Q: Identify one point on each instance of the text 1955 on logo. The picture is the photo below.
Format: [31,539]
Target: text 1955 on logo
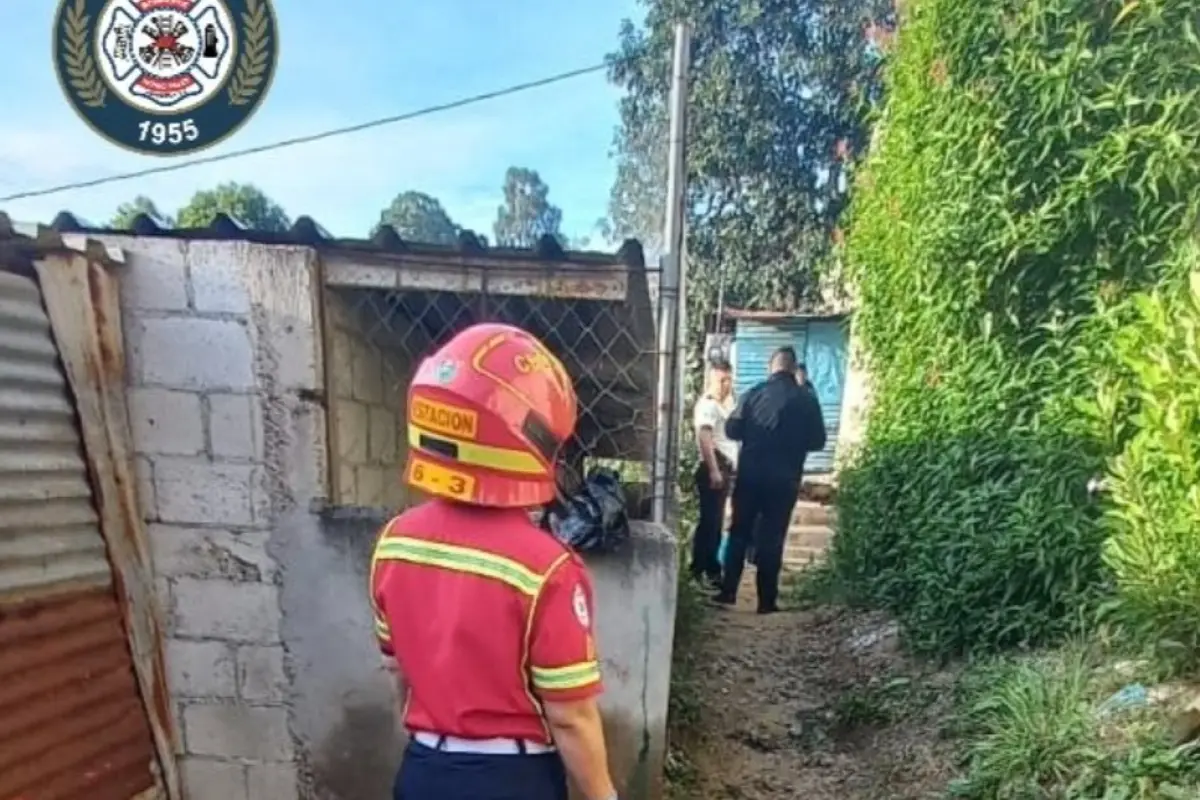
[165,77]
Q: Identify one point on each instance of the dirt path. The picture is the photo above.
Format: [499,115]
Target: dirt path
[814,705]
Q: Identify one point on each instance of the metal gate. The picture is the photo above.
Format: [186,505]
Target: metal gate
[72,723]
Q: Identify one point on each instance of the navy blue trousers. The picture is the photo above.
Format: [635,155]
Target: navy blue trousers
[428,774]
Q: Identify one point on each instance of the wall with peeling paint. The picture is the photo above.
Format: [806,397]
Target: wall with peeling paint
[272,666]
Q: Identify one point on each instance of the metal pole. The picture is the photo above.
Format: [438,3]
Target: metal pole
[671,289]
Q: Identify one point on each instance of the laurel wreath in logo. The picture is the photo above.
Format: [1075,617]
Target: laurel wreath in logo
[252,63]
[81,70]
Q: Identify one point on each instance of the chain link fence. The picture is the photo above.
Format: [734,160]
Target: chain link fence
[598,318]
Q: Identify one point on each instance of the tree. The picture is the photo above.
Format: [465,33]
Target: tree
[417,217]
[527,214]
[243,201]
[777,110]
[127,212]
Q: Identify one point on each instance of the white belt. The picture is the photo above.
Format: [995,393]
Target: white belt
[484,747]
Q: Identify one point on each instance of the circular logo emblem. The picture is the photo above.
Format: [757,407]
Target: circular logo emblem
[446,371]
[579,602]
[165,77]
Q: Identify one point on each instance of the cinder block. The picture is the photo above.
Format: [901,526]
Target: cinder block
[366,371]
[166,422]
[154,277]
[261,677]
[347,488]
[381,442]
[204,493]
[201,669]
[145,488]
[293,344]
[372,486]
[353,431]
[212,553]
[186,353]
[273,782]
[217,271]
[235,731]
[207,779]
[237,612]
[340,356]
[231,426]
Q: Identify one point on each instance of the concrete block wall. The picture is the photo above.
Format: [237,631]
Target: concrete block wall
[218,353]
[273,670]
[368,379]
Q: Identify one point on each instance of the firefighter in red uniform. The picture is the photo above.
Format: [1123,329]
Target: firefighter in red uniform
[485,619]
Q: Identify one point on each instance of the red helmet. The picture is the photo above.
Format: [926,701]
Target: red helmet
[487,414]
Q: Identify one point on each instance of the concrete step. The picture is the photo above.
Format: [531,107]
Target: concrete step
[810,513]
[806,545]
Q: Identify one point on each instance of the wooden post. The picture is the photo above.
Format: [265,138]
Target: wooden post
[81,301]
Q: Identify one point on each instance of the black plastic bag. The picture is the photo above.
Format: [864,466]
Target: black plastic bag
[593,519]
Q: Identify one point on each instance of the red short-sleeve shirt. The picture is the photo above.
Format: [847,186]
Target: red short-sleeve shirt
[487,616]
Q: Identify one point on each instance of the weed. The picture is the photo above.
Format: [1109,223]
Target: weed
[1038,733]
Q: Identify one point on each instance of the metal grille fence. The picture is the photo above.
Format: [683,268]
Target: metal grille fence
[598,319]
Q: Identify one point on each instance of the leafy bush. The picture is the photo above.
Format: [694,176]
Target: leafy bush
[1035,158]
[1039,733]
[1153,396]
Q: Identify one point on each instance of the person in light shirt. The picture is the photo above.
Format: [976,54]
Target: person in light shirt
[714,473]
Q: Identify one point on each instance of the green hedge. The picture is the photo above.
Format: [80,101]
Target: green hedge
[1151,403]
[1037,159]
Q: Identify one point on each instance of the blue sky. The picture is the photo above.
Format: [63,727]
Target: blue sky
[369,59]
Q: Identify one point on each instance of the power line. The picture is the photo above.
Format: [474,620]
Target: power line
[312,137]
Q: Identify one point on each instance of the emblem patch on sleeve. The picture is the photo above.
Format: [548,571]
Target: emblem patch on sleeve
[579,602]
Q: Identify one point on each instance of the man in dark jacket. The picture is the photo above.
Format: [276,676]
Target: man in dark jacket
[778,423]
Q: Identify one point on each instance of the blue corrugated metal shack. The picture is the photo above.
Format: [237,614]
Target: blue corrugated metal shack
[821,342]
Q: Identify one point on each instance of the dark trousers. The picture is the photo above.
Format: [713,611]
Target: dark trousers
[706,540]
[762,513]
[428,774]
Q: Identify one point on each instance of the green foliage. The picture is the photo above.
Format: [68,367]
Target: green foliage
[1154,483]
[1040,733]
[417,217]
[527,213]
[777,104]
[1035,158]
[127,212]
[246,203]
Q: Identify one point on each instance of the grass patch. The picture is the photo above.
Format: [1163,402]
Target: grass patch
[686,699]
[882,702]
[1038,728]
[813,587]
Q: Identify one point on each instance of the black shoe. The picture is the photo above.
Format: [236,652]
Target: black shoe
[769,609]
[722,599]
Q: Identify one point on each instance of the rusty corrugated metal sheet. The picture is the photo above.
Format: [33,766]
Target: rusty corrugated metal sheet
[49,535]
[73,724]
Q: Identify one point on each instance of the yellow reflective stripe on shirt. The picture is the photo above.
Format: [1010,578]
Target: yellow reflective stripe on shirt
[461,559]
[381,629]
[572,676]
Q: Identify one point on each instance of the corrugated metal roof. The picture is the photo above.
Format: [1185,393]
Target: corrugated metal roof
[73,724]
[307,232]
[49,533]
[816,313]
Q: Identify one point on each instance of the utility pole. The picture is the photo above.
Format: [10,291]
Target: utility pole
[672,292]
